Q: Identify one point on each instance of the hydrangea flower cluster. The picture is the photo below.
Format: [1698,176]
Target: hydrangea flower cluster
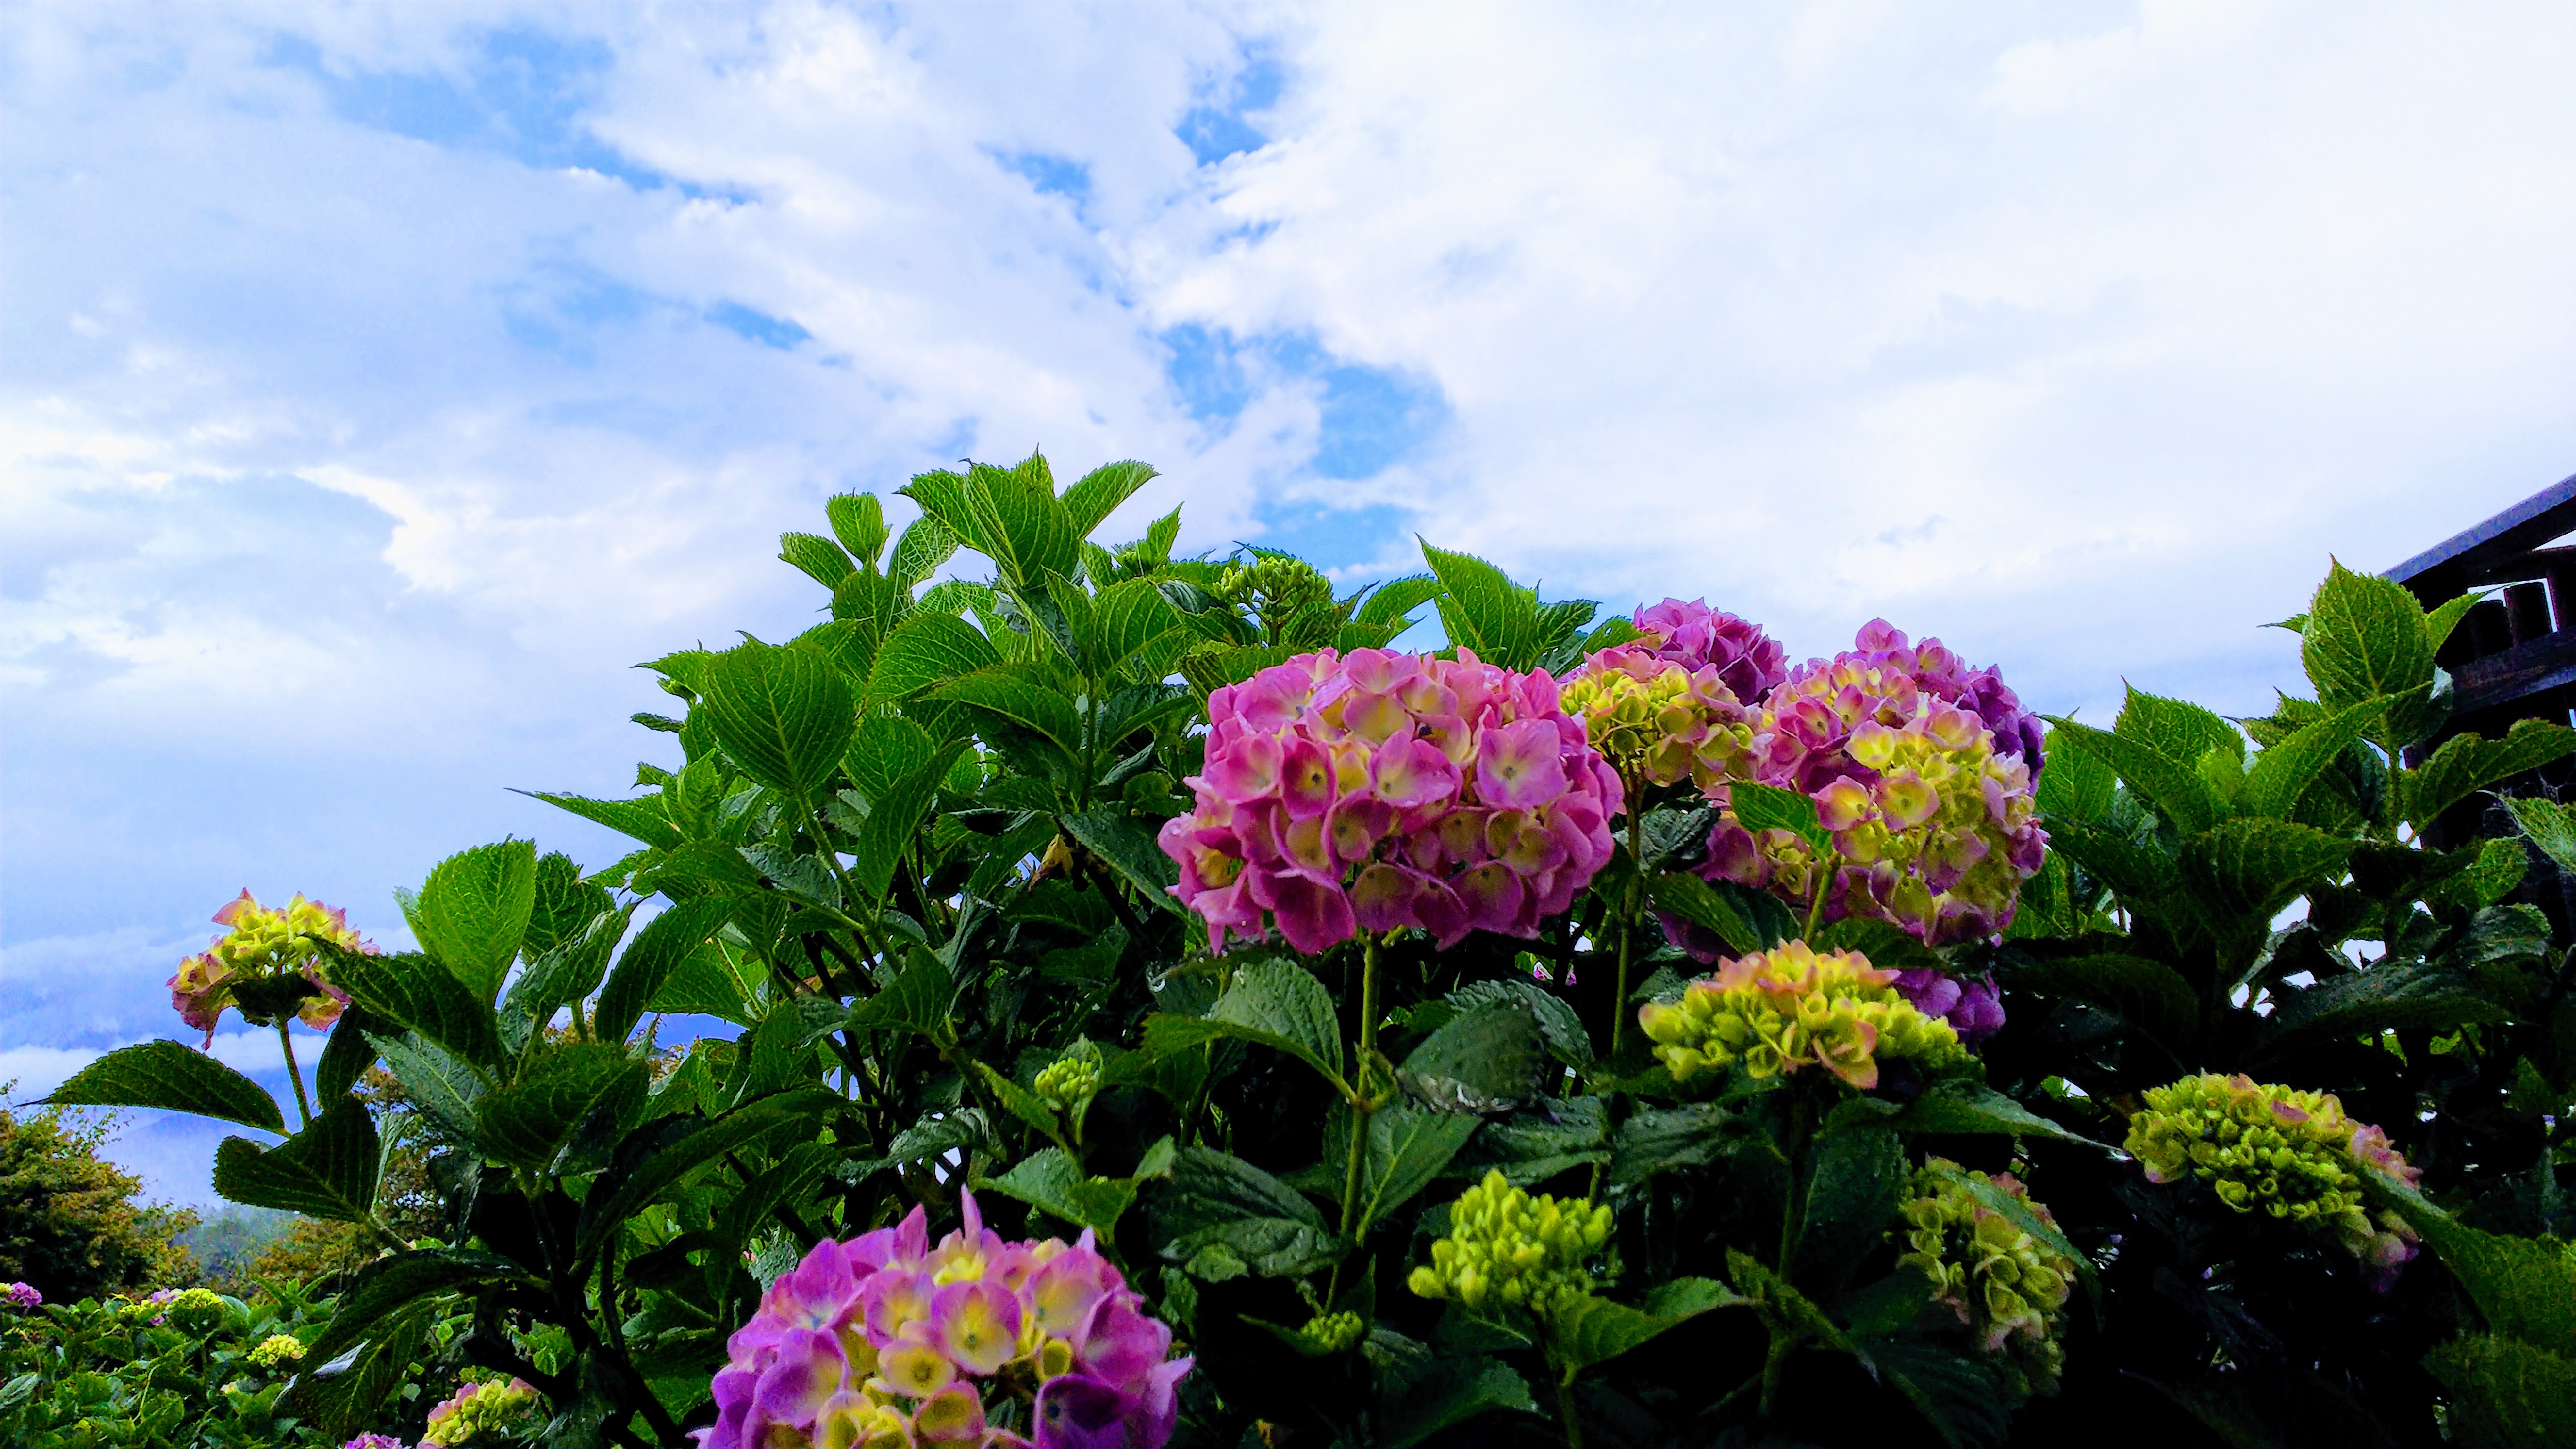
[2007,1287]
[1508,1249]
[1931,809]
[1660,722]
[1064,1083]
[24,1295]
[249,965]
[484,1410]
[1332,1332]
[1794,1007]
[1372,791]
[2292,1154]
[1749,663]
[1971,1007]
[373,1441]
[277,1349]
[885,1340]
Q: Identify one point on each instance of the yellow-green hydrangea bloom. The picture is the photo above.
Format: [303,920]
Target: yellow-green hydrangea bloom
[1795,1007]
[1507,1249]
[1067,1082]
[1659,722]
[277,1349]
[2292,1154]
[1332,1332]
[2008,1288]
[482,1411]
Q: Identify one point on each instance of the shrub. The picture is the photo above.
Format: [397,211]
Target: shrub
[69,1222]
[1596,1031]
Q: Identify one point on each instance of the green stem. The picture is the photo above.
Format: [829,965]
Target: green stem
[1830,867]
[1565,1415]
[303,1104]
[1629,904]
[1362,1108]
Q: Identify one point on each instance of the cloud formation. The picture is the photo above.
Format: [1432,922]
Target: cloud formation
[381,382]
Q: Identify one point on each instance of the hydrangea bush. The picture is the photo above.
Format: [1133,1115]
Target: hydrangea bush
[1161,1006]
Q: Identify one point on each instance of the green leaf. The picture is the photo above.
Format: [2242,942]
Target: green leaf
[1019,523]
[2380,998]
[2366,637]
[1673,1139]
[924,546]
[441,1086]
[1594,1330]
[2077,785]
[1053,1182]
[1483,610]
[1528,1147]
[1391,602]
[641,818]
[1097,494]
[2175,728]
[1856,1178]
[414,993]
[1760,807]
[649,961]
[858,521]
[2506,1394]
[1480,1061]
[344,1402]
[571,970]
[1557,1022]
[170,1077]
[1694,900]
[473,910]
[2172,786]
[893,819]
[2281,774]
[328,1170]
[346,1056]
[2253,868]
[1031,706]
[1273,1003]
[1975,1108]
[2439,623]
[918,1001]
[925,651]
[1962,1398]
[654,1159]
[1449,1393]
[1130,616]
[389,1284]
[1407,1147]
[1128,848]
[565,905]
[707,984]
[2466,764]
[2525,1288]
[820,558]
[2549,825]
[1220,1201]
[2141,873]
[2150,994]
[783,715]
[527,1123]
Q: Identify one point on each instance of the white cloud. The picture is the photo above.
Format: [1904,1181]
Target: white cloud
[30,1072]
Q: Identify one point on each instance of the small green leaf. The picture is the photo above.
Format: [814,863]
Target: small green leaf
[649,961]
[926,651]
[2077,785]
[858,521]
[2281,774]
[918,1001]
[527,1123]
[1975,1108]
[474,909]
[1448,1393]
[1407,1147]
[1855,1180]
[1274,1003]
[2466,764]
[1127,847]
[2253,868]
[171,1077]
[388,1284]
[410,991]
[1482,1061]
[1483,610]
[1594,1330]
[328,1170]
[349,1400]
[819,558]
[1097,494]
[2171,785]
[2366,637]
[1558,1023]
[894,818]
[1002,692]
[1051,1181]
[1768,807]
[641,818]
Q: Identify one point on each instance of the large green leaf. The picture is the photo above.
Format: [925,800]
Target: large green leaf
[918,1001]
[1975,1108]
[474,909]
[1013,697]
[1053,1182]
[1097,494]
[527,1123]
[2175,728]
[1480,1061]
[783,715]
[344,1400]
[171,1077]
[2549,825]
[1558,1024]
[1218,1201]
[707,984]
[570,970]
[412,992]
[893,818]
[1595,1330]
[2381,998]
[1483,610]
[328,1170]
[1406,1147]
[2253,868]
[2506,1394]
[641,818]
[2173,786]
[1744,920]
[1671,1139]
[1128,848]
[2365,637]
[2150,994]
[2465,764]
[390,1283]
[1273,1003]
[925,651]
[2281,774]
[1129,616]
[1447,1393]
[1019,523]
[649,961]
[1856,1177]
[2077,785]
[441,1085]
[884,750]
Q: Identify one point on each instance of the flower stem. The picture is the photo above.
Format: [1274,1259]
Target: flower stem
[303,1104]
[1362,1108]
[1565,1416]
[1831,867]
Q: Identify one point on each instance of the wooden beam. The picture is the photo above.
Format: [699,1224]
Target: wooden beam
[2462,559]
[2515,674]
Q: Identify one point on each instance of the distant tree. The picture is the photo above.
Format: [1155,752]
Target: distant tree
[226,1243]
[69,1222]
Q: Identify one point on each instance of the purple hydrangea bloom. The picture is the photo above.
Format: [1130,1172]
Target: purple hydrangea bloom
[1749,662]
[374,1441]
[1945,676]
[24,1295]
[1971,1007]
[888,1339]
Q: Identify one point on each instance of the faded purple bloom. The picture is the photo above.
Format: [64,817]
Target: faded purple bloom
[1693,635]
[24,1295]
[1971,1007]
[373,1441]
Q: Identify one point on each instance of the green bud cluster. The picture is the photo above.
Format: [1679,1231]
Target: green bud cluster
[1068,1082]
[2294,1155]
[1275,589]
[277,1349]
[1796,1007]
[483,1411]
[1331,1332]
[1508,1249]
[2007,1287]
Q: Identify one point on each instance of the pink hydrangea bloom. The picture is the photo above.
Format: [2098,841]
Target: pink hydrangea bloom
[373,1441]
[1372,791]
[261,945]
[1749,662]
[24,1295]
[887,1339]
[1932,813]
[1945,676]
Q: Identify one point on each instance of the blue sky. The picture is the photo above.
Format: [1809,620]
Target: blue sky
[378,384]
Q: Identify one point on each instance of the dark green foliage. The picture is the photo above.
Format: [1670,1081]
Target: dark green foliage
[69,1222]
